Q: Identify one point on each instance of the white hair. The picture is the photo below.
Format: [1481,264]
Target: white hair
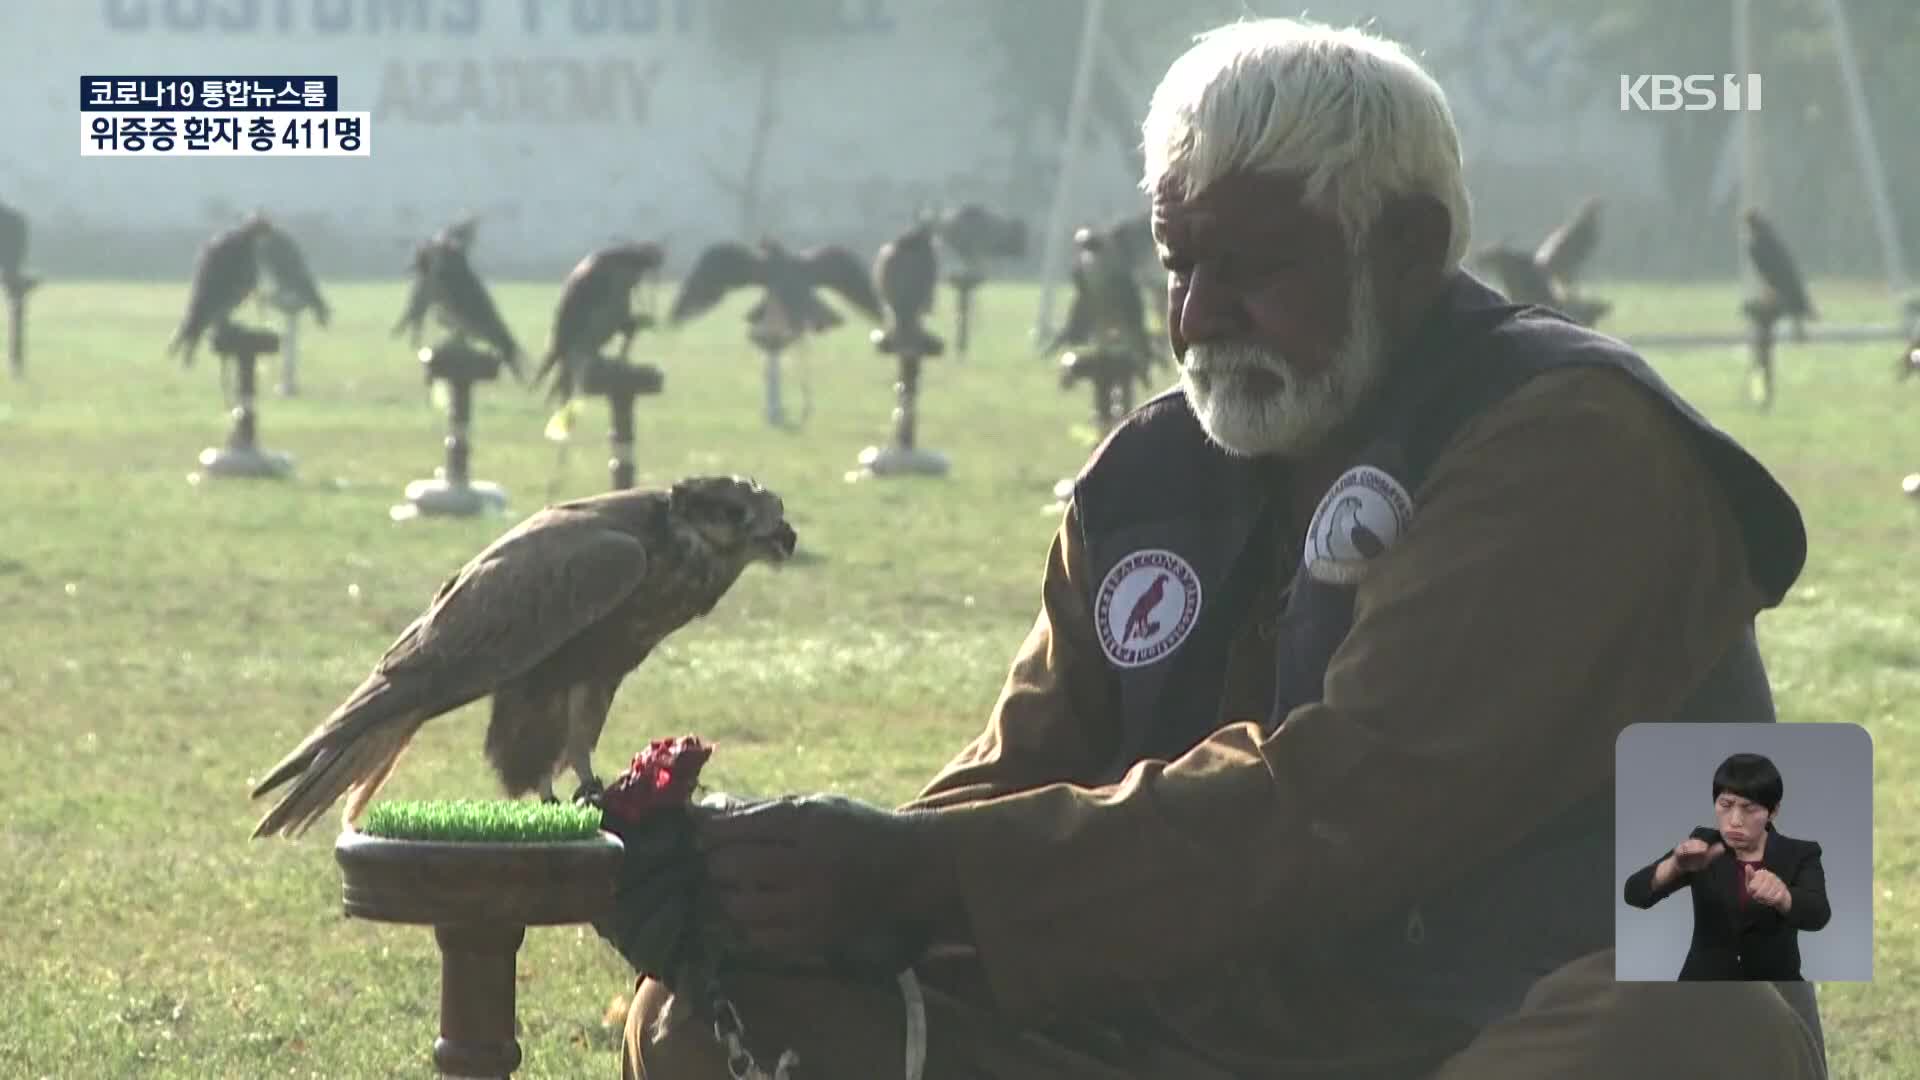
[1349,112]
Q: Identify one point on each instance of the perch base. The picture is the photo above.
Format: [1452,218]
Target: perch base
[900,461]
[439,498]
[251,462]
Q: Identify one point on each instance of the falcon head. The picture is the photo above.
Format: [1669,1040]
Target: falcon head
[734,515]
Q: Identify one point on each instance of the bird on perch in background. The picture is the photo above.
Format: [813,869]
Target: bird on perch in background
[1567,248]
[1108,309]
[974,234]
[596,303]
[13,249]
[450,290]
[1524,280]
[907,275]
[224,276]
[294,288]
[548,621]
[1784,291]
[789,307]
[458,234]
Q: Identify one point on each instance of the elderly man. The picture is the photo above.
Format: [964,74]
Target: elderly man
[1306,767]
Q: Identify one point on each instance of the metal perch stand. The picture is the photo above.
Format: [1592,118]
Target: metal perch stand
[903,457]
[452,492]
[964,282]
[1763,318]
[242,347]
[1110,373]
[620,383]
[17,289]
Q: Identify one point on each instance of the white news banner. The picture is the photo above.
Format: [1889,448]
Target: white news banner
[225,134]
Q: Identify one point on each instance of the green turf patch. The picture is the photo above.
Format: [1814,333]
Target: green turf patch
[475,821]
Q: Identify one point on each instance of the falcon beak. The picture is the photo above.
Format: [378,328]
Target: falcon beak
[781,542]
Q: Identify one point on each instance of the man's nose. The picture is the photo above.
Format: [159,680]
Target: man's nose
[1209,311]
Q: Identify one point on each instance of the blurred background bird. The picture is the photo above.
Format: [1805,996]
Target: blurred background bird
[1524,279]
[459,234]
[596,303]
[973,234]
[447,287]
[13,248]
[1567,248]
[790,306]
[907,274]
[1109,308]
[224,275]
[1783,290]
[291,285]
[548,620]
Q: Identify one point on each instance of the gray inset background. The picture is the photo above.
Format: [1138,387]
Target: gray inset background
[1663,790]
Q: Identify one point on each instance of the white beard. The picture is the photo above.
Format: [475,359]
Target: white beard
[1302,413]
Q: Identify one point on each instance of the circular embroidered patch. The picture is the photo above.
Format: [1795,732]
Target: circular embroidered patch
[1358,519]
[1146,607]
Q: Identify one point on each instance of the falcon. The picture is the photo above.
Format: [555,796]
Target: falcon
[1521,276]
[907,272]
[1785,290]
[223,277]
[596,303]
[974,234]
[413,317]
[294,288]
[13,244]
[1524,280]
[1107,299]
[789,282]
[445,285]
[1567,248]
[548,621]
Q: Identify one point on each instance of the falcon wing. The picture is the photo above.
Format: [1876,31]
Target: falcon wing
[224,274]
[464,299]
[293,280]
[594,301]
[718,271]
[1568,247]
[835,268]
[510,608]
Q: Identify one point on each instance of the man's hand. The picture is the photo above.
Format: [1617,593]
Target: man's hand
[1694,854]
[823,879]
[1766,887]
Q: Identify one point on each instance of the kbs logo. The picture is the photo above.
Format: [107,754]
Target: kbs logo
[1692,93]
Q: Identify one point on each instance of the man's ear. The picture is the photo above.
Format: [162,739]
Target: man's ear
[1409,253]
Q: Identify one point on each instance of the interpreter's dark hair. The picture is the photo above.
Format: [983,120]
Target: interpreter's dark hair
[1752,777]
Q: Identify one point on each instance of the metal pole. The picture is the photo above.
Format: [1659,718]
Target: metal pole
[1869,152]
[1749,182]
[1053,253]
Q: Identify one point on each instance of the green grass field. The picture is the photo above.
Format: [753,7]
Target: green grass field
[165,643]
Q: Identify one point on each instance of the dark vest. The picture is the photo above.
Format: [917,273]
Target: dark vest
[1160,496]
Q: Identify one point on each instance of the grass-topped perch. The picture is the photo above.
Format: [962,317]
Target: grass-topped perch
[476,821]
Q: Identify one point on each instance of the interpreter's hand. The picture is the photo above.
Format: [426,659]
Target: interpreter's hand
[1766,887]
[823,880]
[1694,854]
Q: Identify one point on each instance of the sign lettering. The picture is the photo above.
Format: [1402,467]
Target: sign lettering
[451,18]
[554,90]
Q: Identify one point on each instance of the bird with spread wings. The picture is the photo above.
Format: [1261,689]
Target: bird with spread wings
[1565,251]
[596,304]
[789,306]
[548,620]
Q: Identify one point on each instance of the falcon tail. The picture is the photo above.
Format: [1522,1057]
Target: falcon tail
[350,756]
